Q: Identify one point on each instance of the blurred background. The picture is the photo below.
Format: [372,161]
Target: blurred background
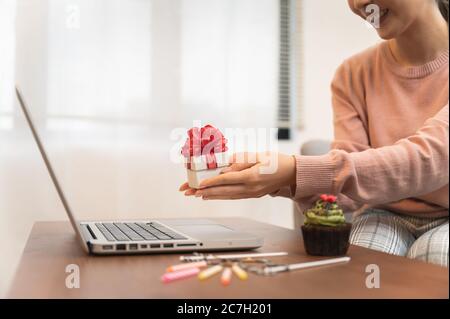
[112,83]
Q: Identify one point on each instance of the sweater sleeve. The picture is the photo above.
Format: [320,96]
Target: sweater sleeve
[350,129]
[349,115]
[349,120]
[416,165]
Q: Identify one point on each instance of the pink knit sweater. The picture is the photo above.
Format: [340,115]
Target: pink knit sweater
[391,138]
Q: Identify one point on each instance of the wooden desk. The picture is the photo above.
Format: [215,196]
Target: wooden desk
[52,246]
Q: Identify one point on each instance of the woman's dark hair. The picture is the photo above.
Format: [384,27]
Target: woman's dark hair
[443,6]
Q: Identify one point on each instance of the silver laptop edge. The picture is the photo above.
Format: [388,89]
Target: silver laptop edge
[200,234]
[62,197]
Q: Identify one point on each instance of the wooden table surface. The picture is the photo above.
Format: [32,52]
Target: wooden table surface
[52,246]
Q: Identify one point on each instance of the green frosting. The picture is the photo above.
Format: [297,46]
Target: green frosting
[325,214]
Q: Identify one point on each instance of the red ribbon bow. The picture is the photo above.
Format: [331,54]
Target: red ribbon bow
[207,141]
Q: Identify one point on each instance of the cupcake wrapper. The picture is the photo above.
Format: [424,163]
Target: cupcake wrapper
[326,241]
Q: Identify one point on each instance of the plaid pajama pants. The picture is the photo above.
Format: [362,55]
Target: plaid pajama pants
[424,239]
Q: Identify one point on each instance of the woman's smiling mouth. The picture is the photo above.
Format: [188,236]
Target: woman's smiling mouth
[376,16]
[383,15]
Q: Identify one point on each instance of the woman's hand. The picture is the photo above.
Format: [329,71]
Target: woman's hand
[250,175]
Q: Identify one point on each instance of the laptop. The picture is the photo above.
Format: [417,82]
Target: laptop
[110,237]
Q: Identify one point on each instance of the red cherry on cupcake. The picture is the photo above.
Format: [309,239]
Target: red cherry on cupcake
[328,198]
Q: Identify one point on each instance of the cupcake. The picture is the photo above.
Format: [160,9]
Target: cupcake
[325,232]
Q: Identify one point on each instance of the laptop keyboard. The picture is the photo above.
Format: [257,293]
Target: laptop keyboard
[137,232]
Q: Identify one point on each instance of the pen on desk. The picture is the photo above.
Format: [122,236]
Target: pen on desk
[198,264]
[200,257]
[205,274]
[182,274]
[276,269]
[239,272]
[226,276]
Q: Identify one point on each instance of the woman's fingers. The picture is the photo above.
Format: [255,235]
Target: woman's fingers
[240,161]
[190,192]
[224,192]
[226,179]
[234,197]
[244,158]
[236,167]
[184,187]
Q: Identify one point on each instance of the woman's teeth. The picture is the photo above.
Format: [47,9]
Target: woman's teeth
[383,12]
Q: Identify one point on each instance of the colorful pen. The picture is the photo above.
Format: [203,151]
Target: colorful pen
[226,276]
[199,264]
[205,274]
[182,274]
[240,273]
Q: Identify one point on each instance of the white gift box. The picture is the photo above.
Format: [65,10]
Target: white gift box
[199,171]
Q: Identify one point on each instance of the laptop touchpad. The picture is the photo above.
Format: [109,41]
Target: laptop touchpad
[210,232]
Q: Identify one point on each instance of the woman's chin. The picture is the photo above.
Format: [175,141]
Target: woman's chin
[389,30]
[386,33]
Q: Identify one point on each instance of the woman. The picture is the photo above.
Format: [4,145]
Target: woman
[389,159]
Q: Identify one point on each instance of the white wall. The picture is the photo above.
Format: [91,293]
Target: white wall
[83,83]
[331,33]
[115,174]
